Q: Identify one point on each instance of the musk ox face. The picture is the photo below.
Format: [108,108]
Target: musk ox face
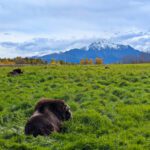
[63,111]
[66,113]
[47,117]
[58,107]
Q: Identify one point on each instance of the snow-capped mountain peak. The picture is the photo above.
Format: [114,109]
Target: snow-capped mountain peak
[104,44]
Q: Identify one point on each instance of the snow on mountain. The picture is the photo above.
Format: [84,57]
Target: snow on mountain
[104,44]
[138,40]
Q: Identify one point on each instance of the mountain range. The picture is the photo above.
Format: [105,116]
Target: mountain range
[108,51]
[114,48]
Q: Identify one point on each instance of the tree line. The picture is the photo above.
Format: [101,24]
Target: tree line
[133,59]
[36,61]
[20,60]
[90,61]
[82,62]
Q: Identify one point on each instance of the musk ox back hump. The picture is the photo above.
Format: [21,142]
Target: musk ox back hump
[38,125]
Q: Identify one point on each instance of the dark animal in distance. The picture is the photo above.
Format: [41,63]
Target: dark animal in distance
[15,72]
[47,117]
[107,67]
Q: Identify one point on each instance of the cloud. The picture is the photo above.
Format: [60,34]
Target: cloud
[8,52]
[140,41]
[60,16]
[24,21]
[40,46]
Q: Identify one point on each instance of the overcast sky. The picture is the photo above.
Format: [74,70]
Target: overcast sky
[73,17]
[22,20]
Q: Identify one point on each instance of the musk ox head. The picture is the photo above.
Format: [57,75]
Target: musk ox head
[47,117]
[58,107]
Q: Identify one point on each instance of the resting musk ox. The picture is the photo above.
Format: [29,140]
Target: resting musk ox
[107,67]
[15,72]
[47,117]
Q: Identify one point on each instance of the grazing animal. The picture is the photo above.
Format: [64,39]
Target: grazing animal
[15,72]
[47,117]
[107,67]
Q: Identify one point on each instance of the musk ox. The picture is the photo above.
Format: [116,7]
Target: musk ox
[107,67]
[15,72]
[47,117]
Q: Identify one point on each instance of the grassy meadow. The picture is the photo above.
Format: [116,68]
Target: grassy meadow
[111,107]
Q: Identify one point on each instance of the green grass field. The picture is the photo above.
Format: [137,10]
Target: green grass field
[111,107]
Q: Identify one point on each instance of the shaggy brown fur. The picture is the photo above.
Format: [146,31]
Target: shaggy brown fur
[107,67]
[15,72]
[47,117]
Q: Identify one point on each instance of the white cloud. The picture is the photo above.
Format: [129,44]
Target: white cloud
[66,20]
[8,52]
[59,16]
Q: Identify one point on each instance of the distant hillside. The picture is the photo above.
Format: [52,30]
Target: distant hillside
[109,52]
